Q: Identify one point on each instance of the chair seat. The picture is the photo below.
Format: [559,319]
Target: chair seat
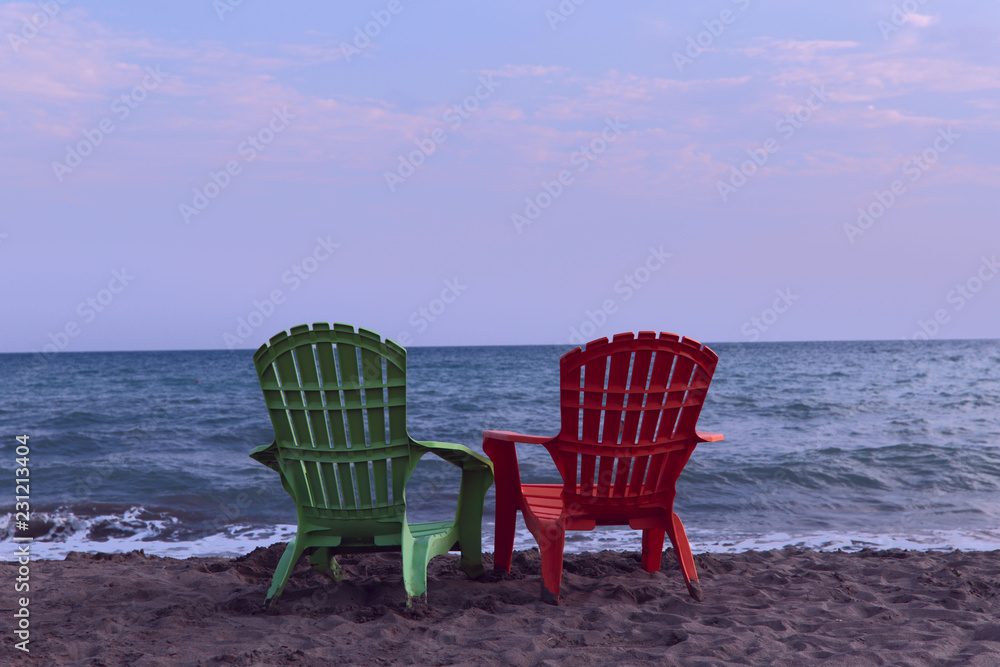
[543,500]
[546,503]
[431,529]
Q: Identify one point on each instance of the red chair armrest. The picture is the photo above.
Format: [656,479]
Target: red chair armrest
[500,447]
[510,436]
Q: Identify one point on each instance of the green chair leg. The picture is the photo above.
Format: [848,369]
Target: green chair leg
[416,556]
[336,572]
[326,564]
[284,570]
[472,496]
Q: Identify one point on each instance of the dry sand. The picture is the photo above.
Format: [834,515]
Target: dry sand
[786,607]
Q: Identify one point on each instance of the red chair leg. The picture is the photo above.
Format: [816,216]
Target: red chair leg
[503,536]
[683,550]
[551,542]
[652,548]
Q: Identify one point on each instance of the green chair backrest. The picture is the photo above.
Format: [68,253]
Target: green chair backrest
[337,401]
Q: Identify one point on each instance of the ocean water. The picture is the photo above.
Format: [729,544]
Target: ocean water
[828,445]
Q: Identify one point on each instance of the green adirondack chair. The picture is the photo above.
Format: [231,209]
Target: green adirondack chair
[337,402]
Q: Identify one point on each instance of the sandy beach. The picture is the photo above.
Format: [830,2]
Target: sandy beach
[782,607]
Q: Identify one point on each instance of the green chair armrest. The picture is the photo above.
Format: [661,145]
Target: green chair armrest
[477,477]
[267,455]
[458,455]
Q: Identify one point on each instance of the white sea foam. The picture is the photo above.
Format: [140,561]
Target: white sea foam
[239,540]
[624,539]
[939,540]
[137,522]
[235,541]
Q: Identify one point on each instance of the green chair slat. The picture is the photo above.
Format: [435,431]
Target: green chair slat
[277,402]
[372,395]
[345,473]
[314,400]
[380,472]
[347,358]
[363,479]
[328,475]
[292,396]
[343,455]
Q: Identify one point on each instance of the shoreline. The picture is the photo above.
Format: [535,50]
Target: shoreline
[247,538]
[780,607]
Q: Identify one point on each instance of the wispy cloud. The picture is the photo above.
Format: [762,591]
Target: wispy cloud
[516,71]
[920,20]
[680,128]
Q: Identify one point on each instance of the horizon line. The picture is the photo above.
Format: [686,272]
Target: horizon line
[710,343]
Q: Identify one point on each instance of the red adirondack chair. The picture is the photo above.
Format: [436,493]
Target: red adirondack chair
[628,410]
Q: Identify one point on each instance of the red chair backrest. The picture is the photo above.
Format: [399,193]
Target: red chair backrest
[629,408]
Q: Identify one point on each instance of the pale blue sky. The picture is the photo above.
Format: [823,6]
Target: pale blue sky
[643,109]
